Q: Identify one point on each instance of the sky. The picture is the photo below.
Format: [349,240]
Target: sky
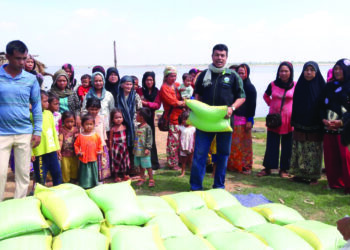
[177,32]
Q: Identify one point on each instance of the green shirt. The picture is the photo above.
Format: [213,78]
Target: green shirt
[143,140]
[49,139]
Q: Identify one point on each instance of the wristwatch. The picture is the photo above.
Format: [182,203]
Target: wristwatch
[233,108]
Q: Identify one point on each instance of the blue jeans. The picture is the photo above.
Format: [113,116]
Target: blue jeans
[47,163]
[201,149]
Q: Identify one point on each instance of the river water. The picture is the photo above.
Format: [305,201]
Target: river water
[260,75]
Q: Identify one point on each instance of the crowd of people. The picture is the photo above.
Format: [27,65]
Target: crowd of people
[103,127]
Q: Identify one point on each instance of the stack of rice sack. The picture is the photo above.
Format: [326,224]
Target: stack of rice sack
[111,216]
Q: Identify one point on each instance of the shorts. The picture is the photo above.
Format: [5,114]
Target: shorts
[143,161]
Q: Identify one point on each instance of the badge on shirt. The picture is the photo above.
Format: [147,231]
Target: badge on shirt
[226,80]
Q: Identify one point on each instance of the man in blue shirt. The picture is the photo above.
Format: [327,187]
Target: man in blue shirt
[18,90]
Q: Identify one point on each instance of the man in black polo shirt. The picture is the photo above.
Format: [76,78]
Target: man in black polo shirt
[216,86]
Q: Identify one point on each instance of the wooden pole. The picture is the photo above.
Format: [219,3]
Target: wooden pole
[115,55]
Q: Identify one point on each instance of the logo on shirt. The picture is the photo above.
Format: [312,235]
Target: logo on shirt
[226,80]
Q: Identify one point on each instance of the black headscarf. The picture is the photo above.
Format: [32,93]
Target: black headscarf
[149,96]
[306,100]
[99,68]
[112,87]
[127,107]
[248,107]
[279,82]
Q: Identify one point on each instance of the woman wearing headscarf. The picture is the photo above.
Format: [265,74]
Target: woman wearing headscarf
[70,72]
[334,107]
[99,91]
[241,157]
[150,99]
[99,68]
[173,105]
[112,81]
[69,100]
[280,89]
[306,163]
[128,101]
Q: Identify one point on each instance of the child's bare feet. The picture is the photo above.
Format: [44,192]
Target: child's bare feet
[182,174]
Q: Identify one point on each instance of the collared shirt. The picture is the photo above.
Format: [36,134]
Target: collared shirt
[16,93]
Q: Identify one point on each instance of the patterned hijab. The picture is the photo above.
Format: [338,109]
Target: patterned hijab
[72,81]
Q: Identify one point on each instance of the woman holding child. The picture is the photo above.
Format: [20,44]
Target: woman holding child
[173,105]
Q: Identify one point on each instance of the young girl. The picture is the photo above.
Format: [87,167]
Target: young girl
[186,89]
[118,146]
[186,141]
[93,106]
[54,107]
[88,146]
[143,145]
[67,135]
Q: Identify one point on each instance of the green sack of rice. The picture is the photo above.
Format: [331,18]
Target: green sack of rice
[33,241]
[20,216]
[55,230]
[110,230]
[236,240]
[205,221]
[279,238]
[185,201]
[154,205]
[218,198]
[119,204]
[170,225]
[319,235]
[68,206]
[278,213]
[191,242]
[147,238]
[80,239]
[241,216]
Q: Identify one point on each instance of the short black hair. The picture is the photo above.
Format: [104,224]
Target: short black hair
[43,92]
[184,116]
[146,114]
[113,112]
[86,118]
[220,47]
[85,76]
[16,45]
[53,97]
[93,103]
[185,75]
[67,114]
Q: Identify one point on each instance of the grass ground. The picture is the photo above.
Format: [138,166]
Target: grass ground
[313,202]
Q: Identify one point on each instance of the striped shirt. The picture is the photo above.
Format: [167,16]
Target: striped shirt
[16,93]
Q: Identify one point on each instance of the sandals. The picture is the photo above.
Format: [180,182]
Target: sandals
[264,172]
[151,183]
[117,179]
[140,182]
[283,174]
[126,178]
[247,172]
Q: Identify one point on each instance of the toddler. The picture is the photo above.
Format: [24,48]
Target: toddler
[67,135]
[87,147]
[187,134]
[84,88]
[143,146]
[118,146]
[186,89]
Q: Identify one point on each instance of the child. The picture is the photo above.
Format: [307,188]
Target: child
[67,135]
[118,146]
[54,107]
[136,83]
[187,133]
[45,155]
[143,146]
[93,106]
[84,88]
[88,146]
[186,89]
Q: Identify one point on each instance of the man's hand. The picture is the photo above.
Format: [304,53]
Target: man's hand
[229,113]
[35,141]
[343,226]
